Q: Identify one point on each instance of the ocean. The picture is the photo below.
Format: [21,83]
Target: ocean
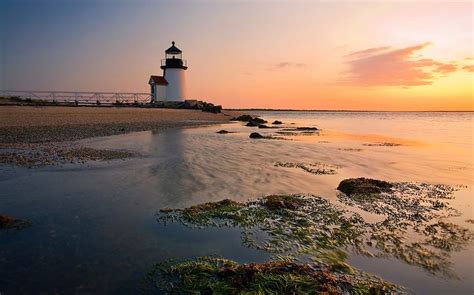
[95,225]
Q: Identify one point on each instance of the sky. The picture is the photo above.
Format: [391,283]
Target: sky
[326,55]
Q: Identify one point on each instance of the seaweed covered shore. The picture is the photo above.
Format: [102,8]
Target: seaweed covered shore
[310,230]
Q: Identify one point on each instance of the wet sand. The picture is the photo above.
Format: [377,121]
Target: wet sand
[25,124]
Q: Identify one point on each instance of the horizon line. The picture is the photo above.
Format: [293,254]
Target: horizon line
[336,110]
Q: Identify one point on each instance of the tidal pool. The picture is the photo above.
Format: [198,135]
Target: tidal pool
[94,226]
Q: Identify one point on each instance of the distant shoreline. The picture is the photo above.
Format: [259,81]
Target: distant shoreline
[337,111]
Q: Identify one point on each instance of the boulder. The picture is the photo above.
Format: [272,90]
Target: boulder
[306,128]
[211,108]
[259,120]
[248,118]
[242,118]
[252,124]
[276,122]
[363,186]
[256,135]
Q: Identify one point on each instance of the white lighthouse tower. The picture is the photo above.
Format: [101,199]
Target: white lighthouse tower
[174,68]
[172,85]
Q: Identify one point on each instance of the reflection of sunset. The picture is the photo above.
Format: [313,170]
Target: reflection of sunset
[368,138]
[319,55]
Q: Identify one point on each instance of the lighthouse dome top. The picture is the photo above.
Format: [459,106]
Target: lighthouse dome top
[173,49]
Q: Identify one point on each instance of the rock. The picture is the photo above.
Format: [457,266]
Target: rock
[267,127]
[211,108]
[252,124]
[291,202]
[192,104]
[248,118]
[7,222]
[363,186]
[223,132]
[256,135]
[243,118]
[259,120]
[306,128]
[276,122]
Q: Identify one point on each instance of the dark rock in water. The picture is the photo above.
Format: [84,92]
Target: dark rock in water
[243,118]
[223,132]
[259,120]
[276,122]
[363,186]
[7,222]
[248,118]
[211,108]
[256,135]
[306,128]
[252,124]
[268,127]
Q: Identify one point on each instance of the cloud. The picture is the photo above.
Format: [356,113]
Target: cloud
[469,68]
[447,68]
[286,64]
[369,51]
[395,67]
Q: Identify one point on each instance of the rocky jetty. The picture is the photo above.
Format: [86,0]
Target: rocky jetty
[190,105]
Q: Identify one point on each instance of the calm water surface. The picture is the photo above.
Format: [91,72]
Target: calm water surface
[95,229]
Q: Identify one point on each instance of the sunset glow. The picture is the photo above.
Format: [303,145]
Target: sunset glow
[292,55]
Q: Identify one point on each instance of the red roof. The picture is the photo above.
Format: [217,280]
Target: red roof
[160,80]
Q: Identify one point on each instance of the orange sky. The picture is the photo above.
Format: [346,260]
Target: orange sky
[290,54]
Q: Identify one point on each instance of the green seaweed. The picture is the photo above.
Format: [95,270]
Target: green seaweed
[294,224]
[410,209]
[209,275]
[296,227]
[313,168]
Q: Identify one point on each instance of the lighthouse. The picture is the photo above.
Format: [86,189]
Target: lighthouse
[172,85]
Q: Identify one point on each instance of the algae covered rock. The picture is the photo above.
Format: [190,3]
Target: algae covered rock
[363,186]
[275,202]
[7,222]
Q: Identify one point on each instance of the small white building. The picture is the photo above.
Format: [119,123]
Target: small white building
[172,85]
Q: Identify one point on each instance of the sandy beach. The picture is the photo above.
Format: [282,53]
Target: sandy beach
[43,135]
[25,124]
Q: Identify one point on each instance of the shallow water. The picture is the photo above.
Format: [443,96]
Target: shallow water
[94,226]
